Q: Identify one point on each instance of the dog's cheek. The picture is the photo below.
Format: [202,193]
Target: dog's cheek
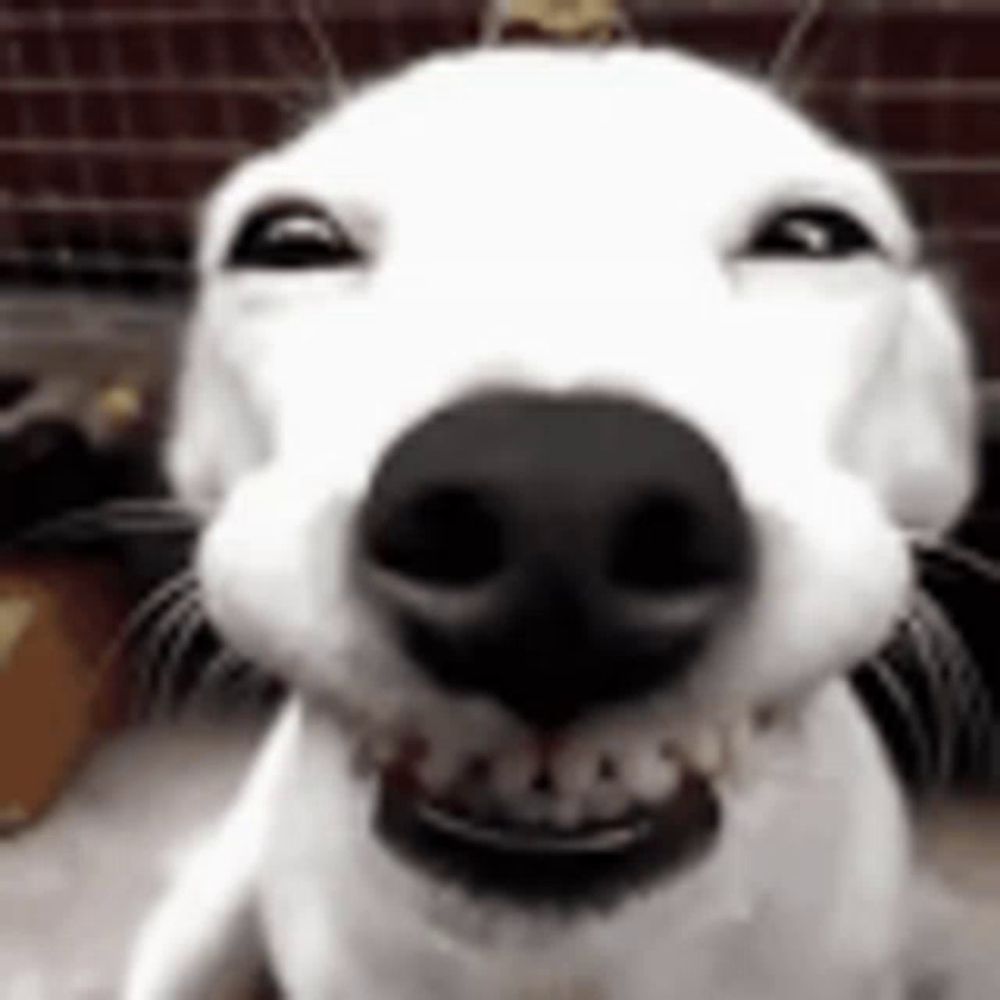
[831,581]
[912,436]
[259,563]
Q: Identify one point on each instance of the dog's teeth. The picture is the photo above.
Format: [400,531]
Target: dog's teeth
[514,771]
[606,801]
[437,769]
[703,747]
[382,748]
[531,808]
[737,744]
[566,813]
[573,772]
[478,770]
[607,768]
[650,776]
[477,799]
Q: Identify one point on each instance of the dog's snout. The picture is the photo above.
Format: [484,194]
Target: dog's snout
[553,552]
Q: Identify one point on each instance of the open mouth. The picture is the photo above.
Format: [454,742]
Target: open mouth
[533,841]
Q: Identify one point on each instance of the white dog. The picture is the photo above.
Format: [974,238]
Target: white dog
[560,422]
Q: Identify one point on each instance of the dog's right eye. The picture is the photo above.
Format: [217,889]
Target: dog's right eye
[817,232]
[293,235]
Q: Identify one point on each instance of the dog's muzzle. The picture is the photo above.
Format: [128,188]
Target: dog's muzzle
[555,554]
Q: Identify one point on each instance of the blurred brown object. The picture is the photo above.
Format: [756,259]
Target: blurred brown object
[557,20]
[61,682]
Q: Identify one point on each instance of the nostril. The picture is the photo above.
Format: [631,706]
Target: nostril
[445,535]
[662,545]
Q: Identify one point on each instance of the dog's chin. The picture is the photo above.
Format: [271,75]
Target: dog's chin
[536,864]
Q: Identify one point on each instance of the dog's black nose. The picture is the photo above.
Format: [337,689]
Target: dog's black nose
[553,552]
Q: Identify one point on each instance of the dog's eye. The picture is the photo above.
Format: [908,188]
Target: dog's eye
[813,231]
[293,235]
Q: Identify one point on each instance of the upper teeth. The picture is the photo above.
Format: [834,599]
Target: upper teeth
[652,776]
[705,750]
[514,770]
[578,782]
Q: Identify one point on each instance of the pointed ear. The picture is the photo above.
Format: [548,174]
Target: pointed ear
[930,458]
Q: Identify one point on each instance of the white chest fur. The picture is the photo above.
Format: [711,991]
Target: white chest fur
[804,896]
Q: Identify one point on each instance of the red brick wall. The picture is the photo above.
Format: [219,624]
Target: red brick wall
[115,115]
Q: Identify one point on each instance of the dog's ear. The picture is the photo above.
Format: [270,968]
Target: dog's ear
[215,432]
[927,459]
[215,435]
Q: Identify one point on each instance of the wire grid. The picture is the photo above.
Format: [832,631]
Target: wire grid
[116,116]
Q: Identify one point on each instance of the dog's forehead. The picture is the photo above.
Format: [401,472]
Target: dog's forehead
[492,137]
[531,110]
[557,220]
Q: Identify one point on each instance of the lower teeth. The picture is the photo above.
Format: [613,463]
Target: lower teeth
[536,840]
[607,801]
[531,809]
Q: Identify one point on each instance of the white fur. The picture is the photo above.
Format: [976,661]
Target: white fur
[560,220]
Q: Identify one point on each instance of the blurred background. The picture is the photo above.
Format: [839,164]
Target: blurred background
[123,722]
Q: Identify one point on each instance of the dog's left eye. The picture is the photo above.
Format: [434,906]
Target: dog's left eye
[293,236]
[820,232]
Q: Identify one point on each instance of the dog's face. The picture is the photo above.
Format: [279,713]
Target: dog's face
[562,418]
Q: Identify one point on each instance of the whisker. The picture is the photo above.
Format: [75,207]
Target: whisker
[218,666]
[978,718]
[150,503]
[328,60]
[976,562]
[173,616]
[931,665]
[163,594]
[792,42]
[163,652]
[229,674]
[491,23]
[156,504]
[884,673]
[176,583]
[123,515]
[184,637]
[309,91]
